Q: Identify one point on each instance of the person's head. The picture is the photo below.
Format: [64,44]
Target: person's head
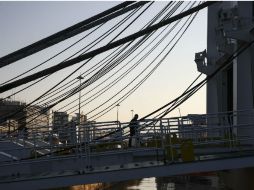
[135,116]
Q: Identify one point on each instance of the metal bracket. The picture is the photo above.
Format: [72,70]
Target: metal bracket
[201,61]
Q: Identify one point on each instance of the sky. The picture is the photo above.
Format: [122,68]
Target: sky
[23,23]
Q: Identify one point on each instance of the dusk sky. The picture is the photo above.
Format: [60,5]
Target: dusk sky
[23,23]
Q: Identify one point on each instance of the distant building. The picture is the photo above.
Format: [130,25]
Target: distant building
[59,120]
[83,118]
[37,117]
[15,115]
[86,130]
[61,125]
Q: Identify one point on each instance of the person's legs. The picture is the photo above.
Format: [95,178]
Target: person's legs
[130,139]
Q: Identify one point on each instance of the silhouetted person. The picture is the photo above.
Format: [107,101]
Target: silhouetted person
[133,128]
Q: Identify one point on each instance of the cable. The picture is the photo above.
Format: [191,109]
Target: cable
[112,29]
[101,69]
[120,32]
[164,57]
[153,48]
[98,39]
[168,4]
[149,74]
[97,64]
[101,49]
[53,56]
[125,28]
[194,89]
[69,32]
[139,43]
[225,64]
[141,83]
[183,92]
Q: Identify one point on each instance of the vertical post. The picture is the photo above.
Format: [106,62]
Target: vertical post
[163,138]
[170,145]
[179,112]
[132,113]
[50,141]
[80,147]
[9,127]
[79,78]
[35,151]
[117,110]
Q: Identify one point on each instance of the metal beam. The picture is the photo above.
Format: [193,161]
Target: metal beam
[69,178]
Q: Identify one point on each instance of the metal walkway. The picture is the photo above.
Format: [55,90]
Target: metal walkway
[99,152]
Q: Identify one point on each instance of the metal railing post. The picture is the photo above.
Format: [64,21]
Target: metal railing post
[163,140]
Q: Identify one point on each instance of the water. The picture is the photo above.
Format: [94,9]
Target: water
[171,183]
[241,179]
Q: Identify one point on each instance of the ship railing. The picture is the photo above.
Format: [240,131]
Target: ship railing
[227,130]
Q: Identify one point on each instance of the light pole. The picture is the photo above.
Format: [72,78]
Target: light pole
[117,110]
[179,112]
[132,113]
[79,78]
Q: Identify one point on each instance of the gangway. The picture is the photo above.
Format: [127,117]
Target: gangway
[163,147]
[19,146]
